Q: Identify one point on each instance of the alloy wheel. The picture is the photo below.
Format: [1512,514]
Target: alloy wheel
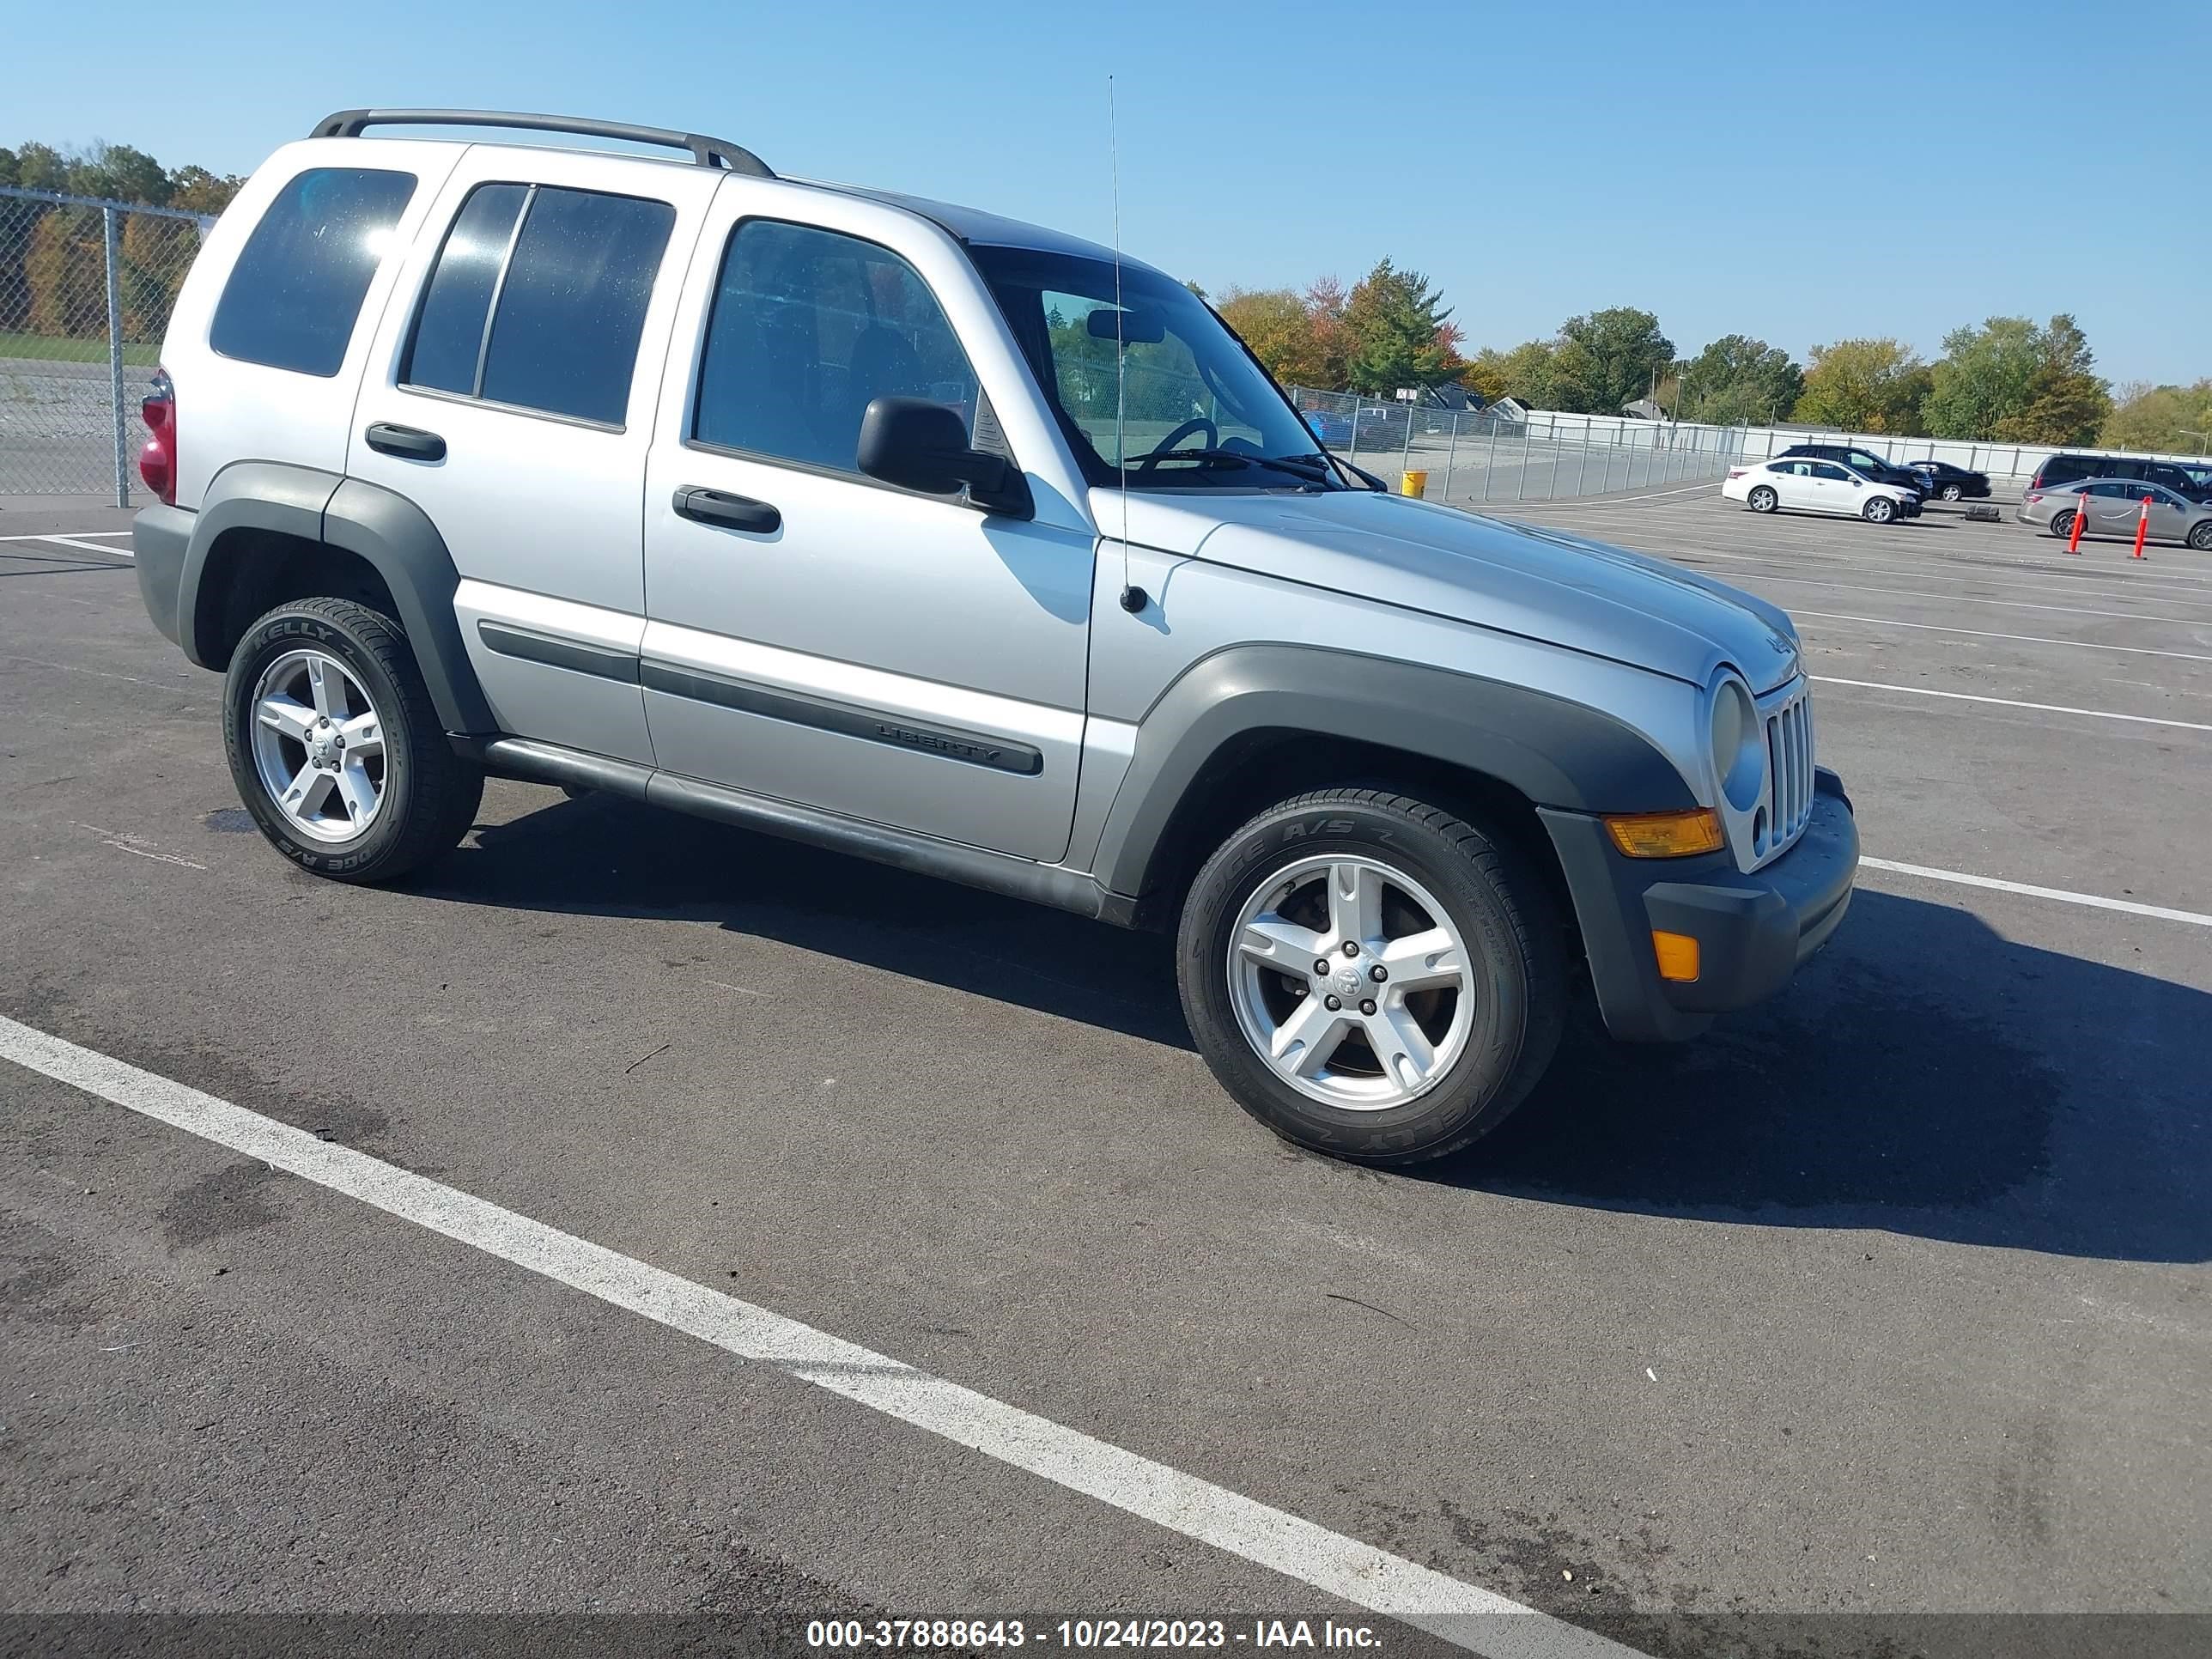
[319,745]
[1350,982]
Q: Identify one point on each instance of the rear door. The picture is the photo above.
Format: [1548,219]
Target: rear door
[510,397]
[1793,484]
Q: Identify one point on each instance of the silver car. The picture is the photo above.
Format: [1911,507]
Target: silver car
[2114,507]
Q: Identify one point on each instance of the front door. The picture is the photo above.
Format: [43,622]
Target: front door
[820,637]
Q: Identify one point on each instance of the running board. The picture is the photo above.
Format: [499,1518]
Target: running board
[903,849]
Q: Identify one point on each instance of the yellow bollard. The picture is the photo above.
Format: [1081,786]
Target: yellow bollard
[1415,484]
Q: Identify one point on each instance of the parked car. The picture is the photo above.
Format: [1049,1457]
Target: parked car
[1950,483]
[1863,462]
[2114,507]
[802,507]
[2061,470]
[1801,484]
[1331,428]
[2199,475]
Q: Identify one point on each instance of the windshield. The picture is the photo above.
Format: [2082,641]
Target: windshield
[1200,415]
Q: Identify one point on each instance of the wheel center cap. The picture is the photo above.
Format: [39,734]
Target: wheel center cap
[1346,983]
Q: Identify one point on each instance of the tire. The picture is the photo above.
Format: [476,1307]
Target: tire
[1951,492]
[1762,499]
[2201,537]
[1489,1033]
[1879,510]
[281,712]
[2062,525]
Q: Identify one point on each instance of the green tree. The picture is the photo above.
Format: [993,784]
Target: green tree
[1397,321]
[1737,381]
[1529,371]
[2014,382]
[2173,420]
[40,166]
[1608,358]
[197,190]
[117,172]
[1276,324]
[1865,386]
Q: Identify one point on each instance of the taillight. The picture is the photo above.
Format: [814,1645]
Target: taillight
[2034,496]
[1738,471]
[157,462]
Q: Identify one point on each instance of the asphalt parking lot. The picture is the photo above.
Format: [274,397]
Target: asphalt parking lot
[1882,1308]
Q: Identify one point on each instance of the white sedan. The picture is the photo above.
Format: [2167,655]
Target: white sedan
[1808,486]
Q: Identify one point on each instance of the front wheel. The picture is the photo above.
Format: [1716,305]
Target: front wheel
[1762,499]
[336,747]
[1880,510]
[1371,976]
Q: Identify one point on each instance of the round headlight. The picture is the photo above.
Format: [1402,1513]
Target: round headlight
[1739,753]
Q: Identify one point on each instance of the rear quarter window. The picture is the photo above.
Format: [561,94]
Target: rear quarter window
[295,293]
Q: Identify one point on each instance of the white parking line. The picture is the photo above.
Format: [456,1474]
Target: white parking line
[2158,912]
[2012,702]
[2022,639]
[84,546]
[73,533]
[1460,1613]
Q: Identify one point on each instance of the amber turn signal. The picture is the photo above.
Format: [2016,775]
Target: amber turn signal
[1677,954]
[1666,835]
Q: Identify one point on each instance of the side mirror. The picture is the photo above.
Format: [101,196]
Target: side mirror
[919,445]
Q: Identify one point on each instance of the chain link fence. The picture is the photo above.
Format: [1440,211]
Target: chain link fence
[86,287]
[1475,457]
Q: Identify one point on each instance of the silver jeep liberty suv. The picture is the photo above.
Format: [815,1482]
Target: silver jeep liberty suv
[956,543]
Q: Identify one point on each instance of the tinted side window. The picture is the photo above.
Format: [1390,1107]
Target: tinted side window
[808,327]
[573,304]
[447,346]
[295,293]
[1835,474]
[2063,469]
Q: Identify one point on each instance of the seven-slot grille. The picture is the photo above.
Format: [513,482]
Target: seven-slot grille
[1789,720]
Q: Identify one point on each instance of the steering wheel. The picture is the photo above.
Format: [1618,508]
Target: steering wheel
[1196,423]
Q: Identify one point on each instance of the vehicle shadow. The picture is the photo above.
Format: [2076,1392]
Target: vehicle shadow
[1923,1076]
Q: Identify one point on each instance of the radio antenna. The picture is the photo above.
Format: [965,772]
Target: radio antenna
[1133,598]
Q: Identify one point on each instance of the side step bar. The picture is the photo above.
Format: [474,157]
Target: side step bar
[949,861]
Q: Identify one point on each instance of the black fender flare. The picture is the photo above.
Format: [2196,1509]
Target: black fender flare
[383,528]
[1554,751]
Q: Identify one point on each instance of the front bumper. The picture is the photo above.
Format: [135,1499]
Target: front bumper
[1753,931]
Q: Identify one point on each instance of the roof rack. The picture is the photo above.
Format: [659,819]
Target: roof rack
[706,152]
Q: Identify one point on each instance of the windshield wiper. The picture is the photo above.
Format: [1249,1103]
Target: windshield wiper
[1312,468]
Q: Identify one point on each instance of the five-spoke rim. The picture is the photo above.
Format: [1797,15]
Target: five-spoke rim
[1350,982]
[319,745]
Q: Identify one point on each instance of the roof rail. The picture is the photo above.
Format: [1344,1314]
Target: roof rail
[706,152]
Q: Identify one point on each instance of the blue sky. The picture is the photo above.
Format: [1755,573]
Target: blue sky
[1798,173]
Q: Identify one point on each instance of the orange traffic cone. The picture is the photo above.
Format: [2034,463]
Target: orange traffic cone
[2143,527]
[2081,517]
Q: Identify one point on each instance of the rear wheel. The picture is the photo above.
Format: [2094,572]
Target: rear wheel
[2200,538]
[1880,510]
[336,747]
[1762,500]
[2062,523]
[1951,492]
[1371,976]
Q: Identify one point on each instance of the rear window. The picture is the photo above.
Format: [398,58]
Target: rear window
[565,276]
[295,293]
